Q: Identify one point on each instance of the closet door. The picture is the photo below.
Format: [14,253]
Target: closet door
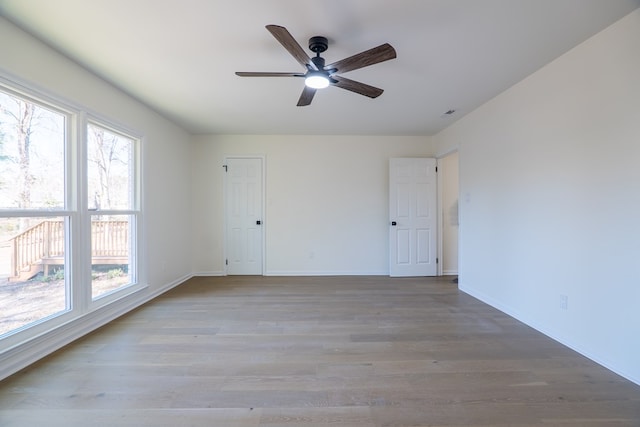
[244,226]
[412,217]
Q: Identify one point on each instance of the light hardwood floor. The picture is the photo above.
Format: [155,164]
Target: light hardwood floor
[317,351]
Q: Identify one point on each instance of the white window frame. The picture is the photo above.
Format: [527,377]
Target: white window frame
[77,215]
[135,212]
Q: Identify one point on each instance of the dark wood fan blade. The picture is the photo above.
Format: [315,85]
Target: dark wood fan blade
[267,74]
[357,87]
[306,97]
[286,39]
[382,53]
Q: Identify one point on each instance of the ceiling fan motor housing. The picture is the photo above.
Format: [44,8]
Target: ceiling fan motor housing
[318,61]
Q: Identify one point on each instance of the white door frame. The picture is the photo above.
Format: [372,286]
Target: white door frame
[262,157]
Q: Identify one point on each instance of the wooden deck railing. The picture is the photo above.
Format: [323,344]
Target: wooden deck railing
[43,244]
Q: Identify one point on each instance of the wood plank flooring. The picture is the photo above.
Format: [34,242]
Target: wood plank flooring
[317,351]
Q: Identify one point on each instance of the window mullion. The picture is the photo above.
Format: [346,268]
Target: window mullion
[81,221]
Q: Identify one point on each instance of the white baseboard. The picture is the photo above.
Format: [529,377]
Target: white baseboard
[325,273]
[24,354]
[524,319]
[209,274]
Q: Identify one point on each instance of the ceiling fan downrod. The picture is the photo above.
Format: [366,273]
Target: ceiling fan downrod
[318,44]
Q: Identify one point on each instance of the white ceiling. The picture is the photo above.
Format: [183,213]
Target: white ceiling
[179,56]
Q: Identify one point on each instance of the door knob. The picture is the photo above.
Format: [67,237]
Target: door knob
[393,223]
[258,222]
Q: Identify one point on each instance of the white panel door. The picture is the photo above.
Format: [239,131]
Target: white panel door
[412,217]
[244,216]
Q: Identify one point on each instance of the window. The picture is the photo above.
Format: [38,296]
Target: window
[111,166]
[62,251]
[33,215]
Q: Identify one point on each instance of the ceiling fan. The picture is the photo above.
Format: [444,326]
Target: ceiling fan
[318,75]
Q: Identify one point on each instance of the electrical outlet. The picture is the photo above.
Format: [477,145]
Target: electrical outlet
[564,302]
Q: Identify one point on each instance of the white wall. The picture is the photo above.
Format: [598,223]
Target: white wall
[550,198]
[326,200]
[166,174]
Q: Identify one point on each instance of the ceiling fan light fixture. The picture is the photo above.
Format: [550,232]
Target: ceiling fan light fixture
[316,80]
[318,75]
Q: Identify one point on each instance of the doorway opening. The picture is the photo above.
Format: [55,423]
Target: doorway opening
[449,222]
